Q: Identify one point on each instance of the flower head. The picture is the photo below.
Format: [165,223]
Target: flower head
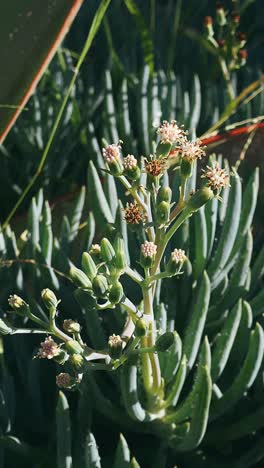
[129,162]
[192,150]
[64,380]
[48,349]
[71,326]
[169,132]
[178,256]
[155,167]
[115,340]
[111,153]
[216,177]
[133,213]
[115,346]
[95,249]
[17,303]
[148,249]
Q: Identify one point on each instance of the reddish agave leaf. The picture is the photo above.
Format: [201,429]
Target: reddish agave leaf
[30,33]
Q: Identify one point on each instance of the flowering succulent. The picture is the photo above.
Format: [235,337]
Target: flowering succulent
[177,295]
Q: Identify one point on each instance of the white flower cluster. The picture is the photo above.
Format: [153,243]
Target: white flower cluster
[148,249]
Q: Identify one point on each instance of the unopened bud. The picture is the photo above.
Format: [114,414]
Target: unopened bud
[77,361]
[120,256]
[174,265]
[64,380]
[112,157]
[18,304]
[242,57]
[88,265]
[49,299]
[147,254]
[100,286]
[164,194]
[141,327]
[198,199]
[115,346]
[220,14]
[208,26]
[131,168]
[186,168]
[70,326]
[95,250]
[73,347]
[165,341]
[241,39]
[163,213]
[221,43]
[235,17]
[79,278]
[107,251]
[116,293]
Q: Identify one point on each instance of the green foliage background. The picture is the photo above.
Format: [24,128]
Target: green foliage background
[142,67]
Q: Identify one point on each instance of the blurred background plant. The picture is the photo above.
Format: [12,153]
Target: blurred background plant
[150,61]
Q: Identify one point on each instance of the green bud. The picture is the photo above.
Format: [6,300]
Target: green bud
[107,251]
[88,266]
[199,199]
[164,194]
[132,173]
[186,168]
[70,326]
[73,347]
[18,304]
[163,149]
[176,261]
[165,341]
[116,293]
[163,213]
[79,278]
[100,286]
[85,298]
[116,168]
[148,252]
[77,361]
[49,299]
[115,346]
[120,256]
[5,329]
[141,327]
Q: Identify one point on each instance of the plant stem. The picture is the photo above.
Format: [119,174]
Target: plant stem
[227,78]
[134,275]
[150,363]
[133,192]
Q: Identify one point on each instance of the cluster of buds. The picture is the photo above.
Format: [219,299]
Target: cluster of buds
[98,280]
[222,32]
[118,165]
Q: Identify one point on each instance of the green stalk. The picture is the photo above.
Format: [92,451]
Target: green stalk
[150,362]
[91,35]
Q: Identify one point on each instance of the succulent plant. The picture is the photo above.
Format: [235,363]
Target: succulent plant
[169,298]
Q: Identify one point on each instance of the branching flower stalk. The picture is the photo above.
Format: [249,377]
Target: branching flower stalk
[154,217]
[229,43]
